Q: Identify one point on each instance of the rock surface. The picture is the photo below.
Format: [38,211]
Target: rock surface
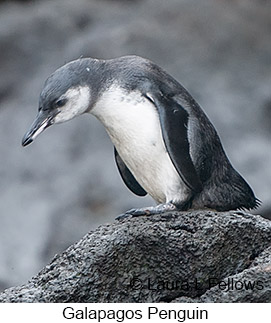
[253,285]
[170,257]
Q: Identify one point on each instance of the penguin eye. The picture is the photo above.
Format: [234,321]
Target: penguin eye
[60,103]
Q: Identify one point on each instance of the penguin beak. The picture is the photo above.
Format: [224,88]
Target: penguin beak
[43,120]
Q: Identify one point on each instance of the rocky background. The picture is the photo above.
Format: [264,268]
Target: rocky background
[66,183]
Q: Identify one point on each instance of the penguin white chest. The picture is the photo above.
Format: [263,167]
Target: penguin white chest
[133,125]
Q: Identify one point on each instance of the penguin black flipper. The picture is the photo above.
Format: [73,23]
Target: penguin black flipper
[174,124]
[128,177]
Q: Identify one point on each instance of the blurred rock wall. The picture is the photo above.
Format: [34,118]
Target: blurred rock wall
[66,182]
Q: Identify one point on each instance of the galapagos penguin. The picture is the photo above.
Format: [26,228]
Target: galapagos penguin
[164,143]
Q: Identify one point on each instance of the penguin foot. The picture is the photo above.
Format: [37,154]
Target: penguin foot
[158,209]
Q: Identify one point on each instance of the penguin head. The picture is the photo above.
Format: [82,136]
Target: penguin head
[67,93]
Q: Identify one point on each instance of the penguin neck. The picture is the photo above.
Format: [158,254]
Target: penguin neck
[119,111]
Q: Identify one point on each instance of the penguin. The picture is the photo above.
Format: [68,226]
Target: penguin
[164,143]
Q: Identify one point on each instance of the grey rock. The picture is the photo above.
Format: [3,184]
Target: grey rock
[251,285]
[162,258]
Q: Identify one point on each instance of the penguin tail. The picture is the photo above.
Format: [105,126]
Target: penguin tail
[243,197]
[226,192]
[252,206]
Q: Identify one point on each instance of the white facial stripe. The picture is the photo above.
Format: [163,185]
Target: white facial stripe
[77,103]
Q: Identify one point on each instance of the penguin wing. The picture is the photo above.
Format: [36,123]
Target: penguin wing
[128,177]
[174,124]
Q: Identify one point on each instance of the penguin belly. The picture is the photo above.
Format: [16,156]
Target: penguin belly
[132,123]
